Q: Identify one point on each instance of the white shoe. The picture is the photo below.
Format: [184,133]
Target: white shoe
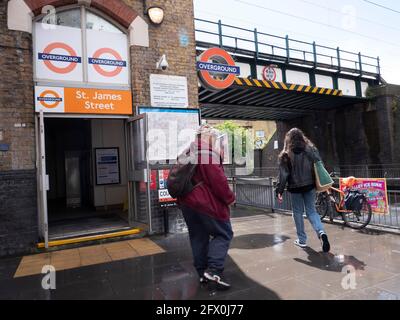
[299,244]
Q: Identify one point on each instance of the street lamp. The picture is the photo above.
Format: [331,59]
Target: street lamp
[155,13]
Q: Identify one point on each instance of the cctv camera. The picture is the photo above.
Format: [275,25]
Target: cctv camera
[162,63]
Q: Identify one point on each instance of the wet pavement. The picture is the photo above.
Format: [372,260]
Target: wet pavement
[263,264]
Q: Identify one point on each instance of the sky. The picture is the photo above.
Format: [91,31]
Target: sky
[352,25]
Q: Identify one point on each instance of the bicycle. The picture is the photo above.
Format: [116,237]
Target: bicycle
[332,202]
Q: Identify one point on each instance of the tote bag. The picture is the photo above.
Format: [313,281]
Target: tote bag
[323,181]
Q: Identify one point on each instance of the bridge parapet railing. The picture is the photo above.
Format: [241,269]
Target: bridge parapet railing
[285,49]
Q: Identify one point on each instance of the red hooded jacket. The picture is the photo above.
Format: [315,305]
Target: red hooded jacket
[211,195]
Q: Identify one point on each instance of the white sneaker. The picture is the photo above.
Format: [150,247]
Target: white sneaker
[299,244]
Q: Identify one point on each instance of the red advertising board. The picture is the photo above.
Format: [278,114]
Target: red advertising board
[376,192]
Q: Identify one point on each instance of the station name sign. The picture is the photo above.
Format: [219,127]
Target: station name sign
[217,69]
[82,100]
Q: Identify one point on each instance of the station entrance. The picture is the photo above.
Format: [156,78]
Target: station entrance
[77,203]
[85,178]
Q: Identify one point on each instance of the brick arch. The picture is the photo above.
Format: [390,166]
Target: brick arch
[116,9]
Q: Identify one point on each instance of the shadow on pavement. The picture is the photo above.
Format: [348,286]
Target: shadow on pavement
[257,241]
[329,261]
[181,286]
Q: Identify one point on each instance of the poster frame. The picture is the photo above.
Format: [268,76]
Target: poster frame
[96,164]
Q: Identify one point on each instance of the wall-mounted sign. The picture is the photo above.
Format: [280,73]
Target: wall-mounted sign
[107,57]
[217,69]
[107,166]
[170,131]
[82,100]
[269,73]
[169,91]
[58,53]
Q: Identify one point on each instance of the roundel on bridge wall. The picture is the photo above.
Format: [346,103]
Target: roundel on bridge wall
[217,69]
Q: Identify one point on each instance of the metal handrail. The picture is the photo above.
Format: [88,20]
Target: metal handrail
[336,60]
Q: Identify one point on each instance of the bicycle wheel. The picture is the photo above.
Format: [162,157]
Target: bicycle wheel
[359,219]
[322,204]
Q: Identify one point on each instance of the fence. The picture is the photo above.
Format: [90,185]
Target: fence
[252,42]
[259,191]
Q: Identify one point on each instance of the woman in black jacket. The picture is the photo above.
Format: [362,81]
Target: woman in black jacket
[296,171]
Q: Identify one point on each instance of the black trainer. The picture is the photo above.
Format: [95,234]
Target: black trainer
[217,278]
[326,247]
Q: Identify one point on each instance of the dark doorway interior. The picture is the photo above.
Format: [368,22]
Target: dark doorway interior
[71,210]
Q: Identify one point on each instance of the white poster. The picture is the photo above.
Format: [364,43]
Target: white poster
[169,91]
[107,166]
[107,57]
[58,53]
[170,131]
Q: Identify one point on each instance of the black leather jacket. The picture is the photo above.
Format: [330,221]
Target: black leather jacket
[296,170]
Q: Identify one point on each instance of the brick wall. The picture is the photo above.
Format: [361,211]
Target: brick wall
[16,97]
[165,39]
[18,218]
[355,134]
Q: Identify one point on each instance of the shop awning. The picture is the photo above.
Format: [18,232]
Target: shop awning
[250,99]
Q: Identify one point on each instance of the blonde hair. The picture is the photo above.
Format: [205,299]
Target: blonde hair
[208,131]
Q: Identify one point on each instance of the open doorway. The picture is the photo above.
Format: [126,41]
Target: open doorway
[88,187]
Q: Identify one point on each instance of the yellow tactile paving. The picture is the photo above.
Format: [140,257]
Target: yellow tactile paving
[86,256]
[94,255]
[120,251]
[145,247]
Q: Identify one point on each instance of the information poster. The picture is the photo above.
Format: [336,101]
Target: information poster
[107,166]
[170,131]
[164,198]
[169,91]
[376,192]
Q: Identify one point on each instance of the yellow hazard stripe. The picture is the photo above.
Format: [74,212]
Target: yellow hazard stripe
[56,243]
[266,83]
[286,86]
[275,85]
[248,82]
[258,84]
[237,80]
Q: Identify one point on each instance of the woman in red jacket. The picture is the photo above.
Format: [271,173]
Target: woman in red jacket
[206,210]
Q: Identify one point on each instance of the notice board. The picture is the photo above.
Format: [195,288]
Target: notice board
[107,166]
[170,131]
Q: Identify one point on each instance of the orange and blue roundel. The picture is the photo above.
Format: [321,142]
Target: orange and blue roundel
[217,69]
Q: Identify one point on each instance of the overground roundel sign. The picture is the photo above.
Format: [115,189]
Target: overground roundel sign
[217,69]
[98,62]
[269,73]
[49,99]
[71,60]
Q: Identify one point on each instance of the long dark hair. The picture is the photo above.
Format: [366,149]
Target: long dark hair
[295,138]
